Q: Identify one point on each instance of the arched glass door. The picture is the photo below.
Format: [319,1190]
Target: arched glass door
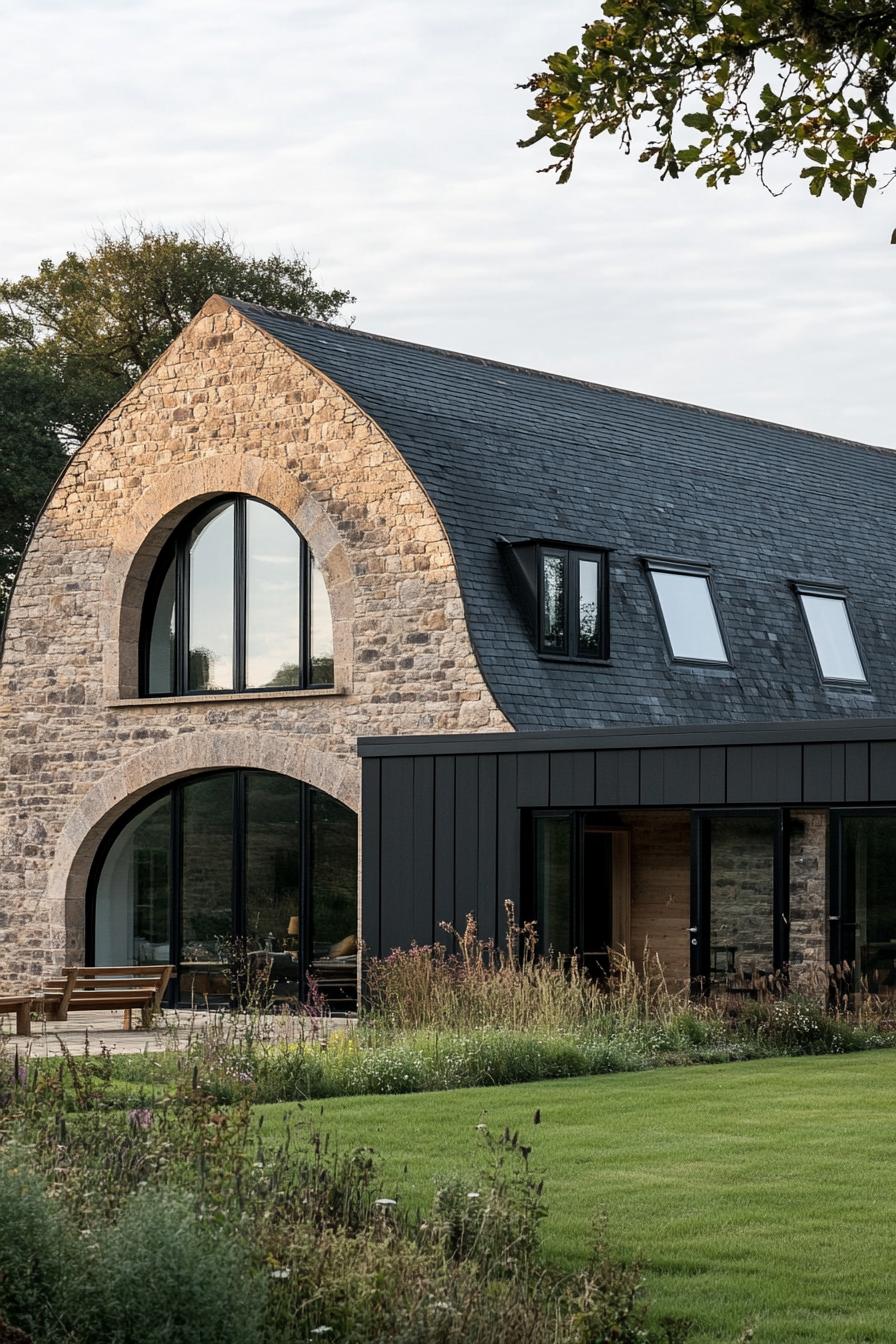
[238,868]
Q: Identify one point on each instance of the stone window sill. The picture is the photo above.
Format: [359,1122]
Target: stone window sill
[224,698]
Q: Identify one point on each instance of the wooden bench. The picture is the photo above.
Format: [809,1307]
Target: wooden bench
[20,1004]
[88,988]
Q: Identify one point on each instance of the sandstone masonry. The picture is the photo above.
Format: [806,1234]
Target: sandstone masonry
[225,409]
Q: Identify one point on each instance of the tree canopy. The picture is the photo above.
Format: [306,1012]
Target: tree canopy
[76,335]
[723,87]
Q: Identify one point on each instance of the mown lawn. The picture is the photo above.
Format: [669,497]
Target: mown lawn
[759,1194]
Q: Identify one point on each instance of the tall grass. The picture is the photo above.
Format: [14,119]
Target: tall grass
[480,983]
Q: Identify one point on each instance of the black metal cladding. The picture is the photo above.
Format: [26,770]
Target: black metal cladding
[443,817]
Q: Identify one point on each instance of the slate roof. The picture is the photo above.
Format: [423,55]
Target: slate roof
[505,451]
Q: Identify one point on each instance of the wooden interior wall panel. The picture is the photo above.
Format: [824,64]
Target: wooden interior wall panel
[661,889]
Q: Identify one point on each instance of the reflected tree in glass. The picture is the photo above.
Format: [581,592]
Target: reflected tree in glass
[210,556]
[321,661]
[554,602]
[589,609]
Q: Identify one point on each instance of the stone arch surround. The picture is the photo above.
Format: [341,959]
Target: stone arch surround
[153,768]
[162,505]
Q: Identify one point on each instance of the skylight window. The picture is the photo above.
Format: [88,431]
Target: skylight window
[833,638]
[687,613]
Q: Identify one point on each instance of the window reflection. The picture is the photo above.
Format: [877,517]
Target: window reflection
[207,886]
[211,602]
[689,615]
[161,671]
[554,603]
[258,613]
[831,632]
[273,598]
[133,895]
[273,884]
[553,883]
[868,915]
[321,669]
[232,872]
[589,609]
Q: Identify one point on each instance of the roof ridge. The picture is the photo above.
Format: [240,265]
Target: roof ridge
[243,305]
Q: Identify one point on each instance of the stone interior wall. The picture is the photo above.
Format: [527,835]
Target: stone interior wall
[808,898]
[741,891]
[225,409]
[661,889]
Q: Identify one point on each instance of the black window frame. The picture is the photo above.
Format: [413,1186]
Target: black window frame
[571,555]
[837,874]
[174,790]
[839,593]
[700,929]
[694,570]
[177,548]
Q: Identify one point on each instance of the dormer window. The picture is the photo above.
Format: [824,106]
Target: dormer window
[831,634]
[572,603]
[236,603]
[564,592]
[687,612]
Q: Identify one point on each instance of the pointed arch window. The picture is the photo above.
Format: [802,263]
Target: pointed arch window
[236,603]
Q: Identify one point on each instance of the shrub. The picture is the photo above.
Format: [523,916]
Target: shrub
[171,1276]
[43,1265]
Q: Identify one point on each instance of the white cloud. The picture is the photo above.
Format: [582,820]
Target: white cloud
[379,137]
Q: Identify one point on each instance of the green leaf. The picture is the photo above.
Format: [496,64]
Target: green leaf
[859,192]
[700,121]
[561,151]
[816,155]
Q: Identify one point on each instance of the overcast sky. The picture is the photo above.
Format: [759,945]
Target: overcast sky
[378,137]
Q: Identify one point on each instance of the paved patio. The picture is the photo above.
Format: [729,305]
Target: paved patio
[89,1033]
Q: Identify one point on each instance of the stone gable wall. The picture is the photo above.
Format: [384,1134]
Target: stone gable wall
[225,409]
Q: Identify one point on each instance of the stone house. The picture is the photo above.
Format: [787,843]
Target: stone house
[622,663]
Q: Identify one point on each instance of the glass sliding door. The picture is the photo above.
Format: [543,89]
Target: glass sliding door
[554,916]
[333,925]
[580,886]
[740,917]
[133,895]
[235,870]
[206,886]
[868,901]
[274,855]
